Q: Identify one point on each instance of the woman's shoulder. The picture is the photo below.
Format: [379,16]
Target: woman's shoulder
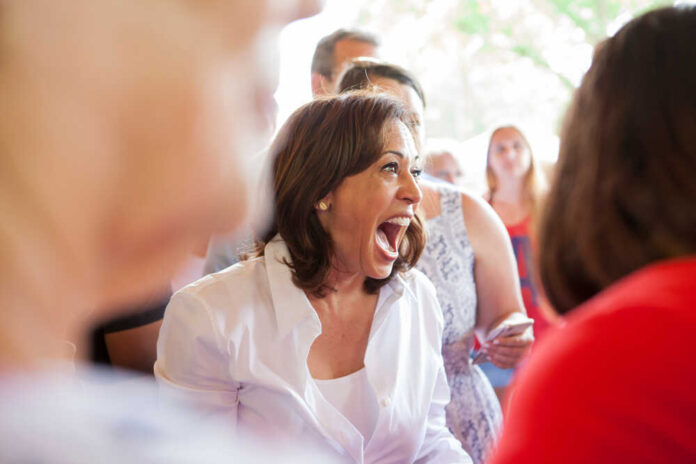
[472,203]
[414,279]
[632,340]
[421,300]
[482,222]
[475,203]
[231,290]
[419,285]
[242,271]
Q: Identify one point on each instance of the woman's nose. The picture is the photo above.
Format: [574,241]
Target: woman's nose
[410,191]
[508,153]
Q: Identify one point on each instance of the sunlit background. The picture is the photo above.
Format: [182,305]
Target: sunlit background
[482,63]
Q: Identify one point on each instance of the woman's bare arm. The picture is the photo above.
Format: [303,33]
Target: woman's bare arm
[497,281]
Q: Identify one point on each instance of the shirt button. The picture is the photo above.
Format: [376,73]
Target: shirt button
[385,402]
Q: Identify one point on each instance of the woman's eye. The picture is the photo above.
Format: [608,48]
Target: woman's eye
[391,167]
[416,173]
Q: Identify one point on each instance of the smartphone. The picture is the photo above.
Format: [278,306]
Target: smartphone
[503,330]
[509,330]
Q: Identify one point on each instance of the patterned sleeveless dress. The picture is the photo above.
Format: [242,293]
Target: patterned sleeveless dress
[474,414]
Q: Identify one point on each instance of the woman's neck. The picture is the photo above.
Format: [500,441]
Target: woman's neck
[345,288]
[345,283]
[510,191]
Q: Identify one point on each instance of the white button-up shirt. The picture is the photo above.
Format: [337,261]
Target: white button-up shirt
[236,344]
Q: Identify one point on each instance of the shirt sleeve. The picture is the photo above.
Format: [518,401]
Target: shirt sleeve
[192,362]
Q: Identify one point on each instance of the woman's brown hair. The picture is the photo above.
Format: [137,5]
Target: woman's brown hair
[321,144]
[625,194]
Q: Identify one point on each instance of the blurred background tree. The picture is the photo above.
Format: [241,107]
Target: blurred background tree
[484,62]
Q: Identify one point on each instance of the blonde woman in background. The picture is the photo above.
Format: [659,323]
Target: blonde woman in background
[515,189]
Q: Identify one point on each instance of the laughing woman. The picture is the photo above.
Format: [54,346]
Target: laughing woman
[328,336]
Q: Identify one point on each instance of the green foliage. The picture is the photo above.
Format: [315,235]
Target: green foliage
[486,60]
[527,51]
[470,20]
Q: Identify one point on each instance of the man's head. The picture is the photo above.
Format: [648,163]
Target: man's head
[333,53]
[394,80]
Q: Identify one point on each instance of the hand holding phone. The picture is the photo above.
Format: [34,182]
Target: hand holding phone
[505,329]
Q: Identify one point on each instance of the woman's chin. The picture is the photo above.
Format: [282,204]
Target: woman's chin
[381,272]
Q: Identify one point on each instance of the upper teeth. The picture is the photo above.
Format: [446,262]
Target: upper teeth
[402,221]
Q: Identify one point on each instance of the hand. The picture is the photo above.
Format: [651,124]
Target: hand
[506,352]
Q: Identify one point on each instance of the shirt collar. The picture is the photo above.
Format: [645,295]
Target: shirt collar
[399,286]
[290,303]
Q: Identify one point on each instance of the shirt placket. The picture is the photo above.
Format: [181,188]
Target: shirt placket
[381,372]
[340,432]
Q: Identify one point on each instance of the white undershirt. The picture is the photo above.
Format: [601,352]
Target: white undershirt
[353,396]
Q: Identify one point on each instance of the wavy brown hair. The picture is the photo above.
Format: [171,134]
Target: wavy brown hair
[625,194]
[320,145]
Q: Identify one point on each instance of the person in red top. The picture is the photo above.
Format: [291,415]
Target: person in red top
[532,296]
[618,238]
[516,187]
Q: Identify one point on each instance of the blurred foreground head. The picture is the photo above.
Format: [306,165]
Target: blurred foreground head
[124,133]
[625,193]
[380,76]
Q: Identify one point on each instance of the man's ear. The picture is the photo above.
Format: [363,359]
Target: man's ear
[320,85]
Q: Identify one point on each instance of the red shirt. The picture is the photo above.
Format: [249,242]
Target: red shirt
[529,283]
[616,383]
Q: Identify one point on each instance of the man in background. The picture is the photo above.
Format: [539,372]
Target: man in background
[334,52]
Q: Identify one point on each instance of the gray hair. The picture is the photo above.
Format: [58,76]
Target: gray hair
[323,59]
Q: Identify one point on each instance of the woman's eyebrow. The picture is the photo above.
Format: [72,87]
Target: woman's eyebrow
[397,153]
[416,159]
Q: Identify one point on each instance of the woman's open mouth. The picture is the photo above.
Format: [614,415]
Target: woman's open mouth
[389,235]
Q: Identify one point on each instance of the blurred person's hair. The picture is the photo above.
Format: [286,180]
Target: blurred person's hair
[534,184]
[361,70]
[431,153]
[320,145]
[359,75]
[624,195]
[434,154]
[323,59]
